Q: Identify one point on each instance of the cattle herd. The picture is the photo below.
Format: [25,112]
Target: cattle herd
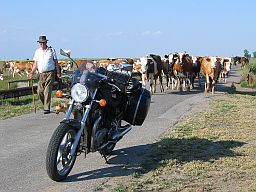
[179,69]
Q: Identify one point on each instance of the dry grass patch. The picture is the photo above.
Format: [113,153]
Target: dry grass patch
[214,150]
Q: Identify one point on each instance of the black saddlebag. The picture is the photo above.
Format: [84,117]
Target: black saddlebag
[138,107]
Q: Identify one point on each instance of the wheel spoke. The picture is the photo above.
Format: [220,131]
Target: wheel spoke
[63,158]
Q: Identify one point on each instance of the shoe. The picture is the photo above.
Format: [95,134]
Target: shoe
[47,111]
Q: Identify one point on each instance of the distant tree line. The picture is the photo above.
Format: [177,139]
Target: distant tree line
[248,55]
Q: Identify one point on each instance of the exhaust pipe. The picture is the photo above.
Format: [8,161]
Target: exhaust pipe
[122,132]
[115,138]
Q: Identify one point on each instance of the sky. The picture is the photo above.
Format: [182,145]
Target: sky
[130,28]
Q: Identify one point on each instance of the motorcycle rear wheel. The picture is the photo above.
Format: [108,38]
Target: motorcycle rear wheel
[59,162]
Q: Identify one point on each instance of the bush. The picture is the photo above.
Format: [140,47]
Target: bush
[248,73]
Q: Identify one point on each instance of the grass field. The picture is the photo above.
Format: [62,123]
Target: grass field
[24,105]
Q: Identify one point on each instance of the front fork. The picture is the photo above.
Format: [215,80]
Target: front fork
[82,123]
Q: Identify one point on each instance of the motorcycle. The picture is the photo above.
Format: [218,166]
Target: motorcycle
[103,106]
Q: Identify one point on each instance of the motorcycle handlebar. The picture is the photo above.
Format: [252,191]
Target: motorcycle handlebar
[110,82]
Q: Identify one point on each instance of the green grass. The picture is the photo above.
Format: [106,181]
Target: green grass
[18,106]
[245,71]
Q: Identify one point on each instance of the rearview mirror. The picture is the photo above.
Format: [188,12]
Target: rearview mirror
[65,52]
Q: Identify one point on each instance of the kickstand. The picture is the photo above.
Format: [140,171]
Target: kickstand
[105,157]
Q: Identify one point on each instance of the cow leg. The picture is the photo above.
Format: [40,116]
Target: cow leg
[199,79]
[161,83]
[143,76]
[167,81]
[154,85]
[190,84]
[213,87]
[151,89]
[173,83]
[178,83]
[151,81]
[184,83]
[207,84]
[170,82]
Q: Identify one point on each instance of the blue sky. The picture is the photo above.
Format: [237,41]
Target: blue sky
[130,28]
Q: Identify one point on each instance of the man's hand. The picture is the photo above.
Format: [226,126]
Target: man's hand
[30,75]
[59,75]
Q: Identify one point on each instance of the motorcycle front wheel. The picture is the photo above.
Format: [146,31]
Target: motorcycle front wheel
[59,162]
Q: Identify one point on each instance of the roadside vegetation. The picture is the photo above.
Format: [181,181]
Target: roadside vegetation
[248,73]
[213,150]
[18,106]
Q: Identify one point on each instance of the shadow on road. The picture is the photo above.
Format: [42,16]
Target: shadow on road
[144,158]
[251,93]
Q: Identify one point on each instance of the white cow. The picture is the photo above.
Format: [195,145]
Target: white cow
[143,70]
[226,67]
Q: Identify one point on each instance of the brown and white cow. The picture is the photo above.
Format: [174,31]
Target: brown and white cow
[22,67]
[142,68]
[210,68]
[240,60]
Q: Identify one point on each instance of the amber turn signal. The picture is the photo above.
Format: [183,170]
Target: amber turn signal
[59,93]
[102,102]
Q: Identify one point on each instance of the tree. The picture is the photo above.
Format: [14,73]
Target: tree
[246,54]
[254,54]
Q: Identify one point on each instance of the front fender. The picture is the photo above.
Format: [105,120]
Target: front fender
[72,123]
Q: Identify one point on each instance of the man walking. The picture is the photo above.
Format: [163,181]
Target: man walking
[45,61]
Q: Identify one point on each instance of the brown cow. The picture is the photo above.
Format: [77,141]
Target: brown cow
[183,70]
[242,60]
[21,67]
[210,68]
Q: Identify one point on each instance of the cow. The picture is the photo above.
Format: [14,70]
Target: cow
[226,67]
[183,71]
[196,70]
[210,68]
[154,71]
[66,67]
[167,70]
[240,60]
[1,75]
[177,71]
[141,66]
[188,69]
[105,62]
[10,65]
[22,67]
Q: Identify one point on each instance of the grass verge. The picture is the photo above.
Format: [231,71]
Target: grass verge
[24,105]
[247,71]
[213,150]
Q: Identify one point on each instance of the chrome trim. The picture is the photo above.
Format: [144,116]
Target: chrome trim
[137,107]
[79,133]
[67,117]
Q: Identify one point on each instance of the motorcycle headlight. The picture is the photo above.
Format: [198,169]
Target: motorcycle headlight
[79,93]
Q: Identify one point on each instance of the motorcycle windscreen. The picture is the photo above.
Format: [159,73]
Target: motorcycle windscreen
[90,79]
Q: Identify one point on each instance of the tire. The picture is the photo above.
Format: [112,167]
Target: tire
[63,135]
